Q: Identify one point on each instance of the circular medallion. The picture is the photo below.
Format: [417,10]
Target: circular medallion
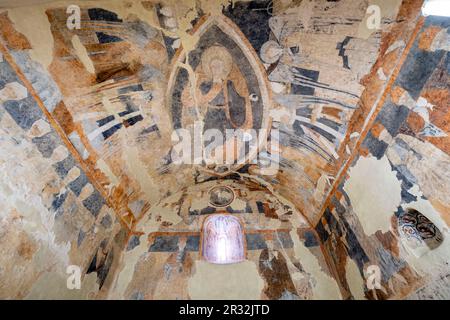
[221,196]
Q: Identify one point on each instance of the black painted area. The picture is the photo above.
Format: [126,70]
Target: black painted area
[443,22]
[107,38]
[108,133]
[260,206]
[24,112]
[133,121]
[101,263]
[130,106]
[305,74]
[332,222]
[252,18]
[205,87]
[237,105]
[354,248]
[81,236]
[103,15]
[322,132]
[103,271]
[329,123]
[182,78]
[231,210]
[299,89]
[208,210]
[105,120]
[341,47]
[168,42]
[323,234]
[408,180]
[7,74]
[304,112]
[340,209]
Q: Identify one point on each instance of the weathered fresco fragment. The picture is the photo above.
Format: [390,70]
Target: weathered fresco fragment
[52,216]
[392,209]
[89,177]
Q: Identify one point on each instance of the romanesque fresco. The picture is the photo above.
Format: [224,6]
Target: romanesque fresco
[418,232]
[69,223]
[96,98]
[219,85]
[175,244]
[138,68]
[406,135]
[225,78]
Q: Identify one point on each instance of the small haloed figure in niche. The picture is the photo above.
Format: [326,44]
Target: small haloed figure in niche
[221,93]
[223,239]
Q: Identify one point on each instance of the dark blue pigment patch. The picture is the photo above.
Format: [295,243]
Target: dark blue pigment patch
[78,184]
[133,242]
[255,241]
[103,15]
[164,244]
[47,143]
[94,203]
[63,167]
[107,38]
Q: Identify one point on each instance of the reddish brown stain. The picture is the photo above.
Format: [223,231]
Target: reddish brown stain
[427,37]
[64,118]
[14,40]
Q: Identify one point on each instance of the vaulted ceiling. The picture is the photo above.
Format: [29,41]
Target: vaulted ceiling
[118,86]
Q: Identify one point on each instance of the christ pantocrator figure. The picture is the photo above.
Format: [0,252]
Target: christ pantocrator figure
[221,94]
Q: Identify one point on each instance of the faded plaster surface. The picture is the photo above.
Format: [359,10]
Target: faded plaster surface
[226,282]
[374,192]
[325,287]
[32,22]
[354,279]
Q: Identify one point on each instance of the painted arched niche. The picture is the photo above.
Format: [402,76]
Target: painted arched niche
[223,240]
[219,83]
